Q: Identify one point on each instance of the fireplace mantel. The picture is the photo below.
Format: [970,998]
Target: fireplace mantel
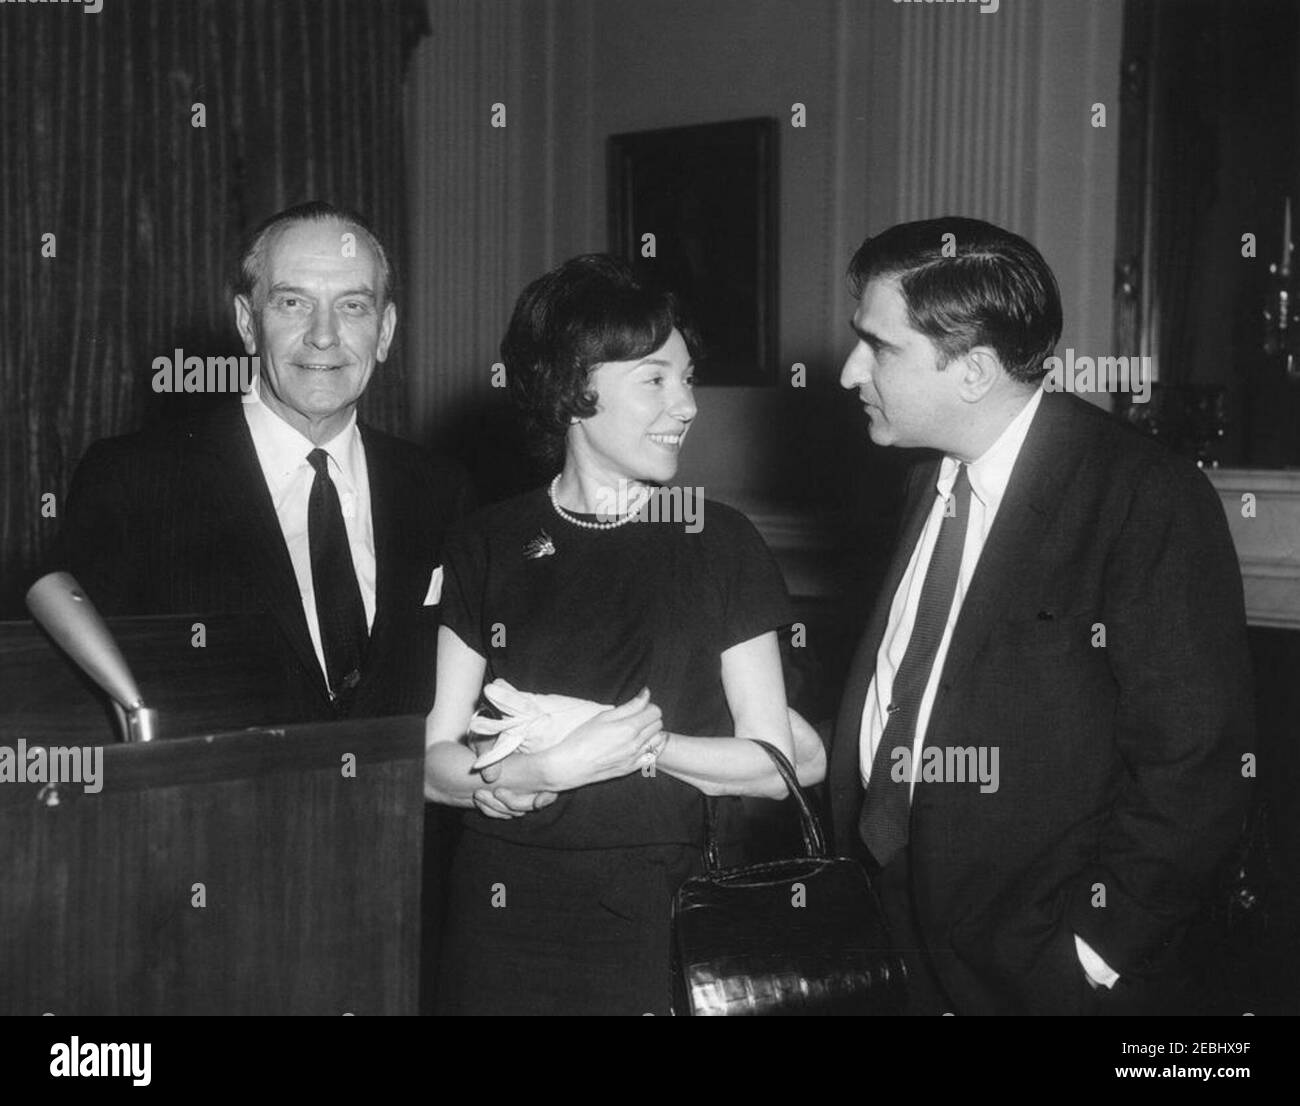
[1268,545]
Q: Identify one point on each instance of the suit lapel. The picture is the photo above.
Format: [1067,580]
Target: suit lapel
[919,502]
[398,566]
[226,449]
[845,777]
[382,525]
[1033,496]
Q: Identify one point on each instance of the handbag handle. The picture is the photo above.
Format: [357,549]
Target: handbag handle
[814,840]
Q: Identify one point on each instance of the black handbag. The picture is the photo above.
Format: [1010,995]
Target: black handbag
[798,936]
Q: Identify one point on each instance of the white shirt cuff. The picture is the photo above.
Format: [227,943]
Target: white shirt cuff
[434,594]
[1101,973]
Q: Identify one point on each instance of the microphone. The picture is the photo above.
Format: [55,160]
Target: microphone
[66,613]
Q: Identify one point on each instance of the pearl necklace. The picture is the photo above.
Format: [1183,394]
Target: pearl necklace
[582,522]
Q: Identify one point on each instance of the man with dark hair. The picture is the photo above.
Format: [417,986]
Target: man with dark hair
[284,505]
[1042,745]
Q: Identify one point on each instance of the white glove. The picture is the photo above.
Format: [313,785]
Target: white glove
[532,722]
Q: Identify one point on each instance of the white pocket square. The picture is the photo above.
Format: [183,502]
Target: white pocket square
[434,594]
[532,722]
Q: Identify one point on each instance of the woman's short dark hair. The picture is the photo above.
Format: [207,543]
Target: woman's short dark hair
[984,286]
[590,310]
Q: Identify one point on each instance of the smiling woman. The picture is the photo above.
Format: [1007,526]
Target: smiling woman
[647,405]
[561,890]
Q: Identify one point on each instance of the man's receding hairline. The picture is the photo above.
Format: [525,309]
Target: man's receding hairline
[893,279]
[262,245]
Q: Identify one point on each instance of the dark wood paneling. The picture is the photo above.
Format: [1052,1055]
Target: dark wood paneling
[312,878]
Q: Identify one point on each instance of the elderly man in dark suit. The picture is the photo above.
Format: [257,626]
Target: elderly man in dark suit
[1042,746]
[284,504]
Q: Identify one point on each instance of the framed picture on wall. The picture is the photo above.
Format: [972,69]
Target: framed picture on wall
[694,208]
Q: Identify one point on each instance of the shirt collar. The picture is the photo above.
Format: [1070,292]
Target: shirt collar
[282,450]
[991,472]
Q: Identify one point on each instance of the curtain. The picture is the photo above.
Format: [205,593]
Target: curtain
[300,99]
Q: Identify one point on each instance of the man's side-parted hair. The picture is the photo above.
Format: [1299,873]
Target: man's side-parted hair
[252,253]
[589,310]
[997,290]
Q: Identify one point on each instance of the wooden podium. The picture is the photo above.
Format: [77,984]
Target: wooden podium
[260,871]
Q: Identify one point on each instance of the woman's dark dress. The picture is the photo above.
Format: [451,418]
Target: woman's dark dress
[566,910]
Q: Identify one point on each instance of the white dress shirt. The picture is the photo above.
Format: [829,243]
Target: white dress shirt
[988,475]
[282,453]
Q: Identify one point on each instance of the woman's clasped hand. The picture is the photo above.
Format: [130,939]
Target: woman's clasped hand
[626,738]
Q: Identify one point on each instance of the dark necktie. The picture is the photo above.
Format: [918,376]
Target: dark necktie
[339,610]
[887,805]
